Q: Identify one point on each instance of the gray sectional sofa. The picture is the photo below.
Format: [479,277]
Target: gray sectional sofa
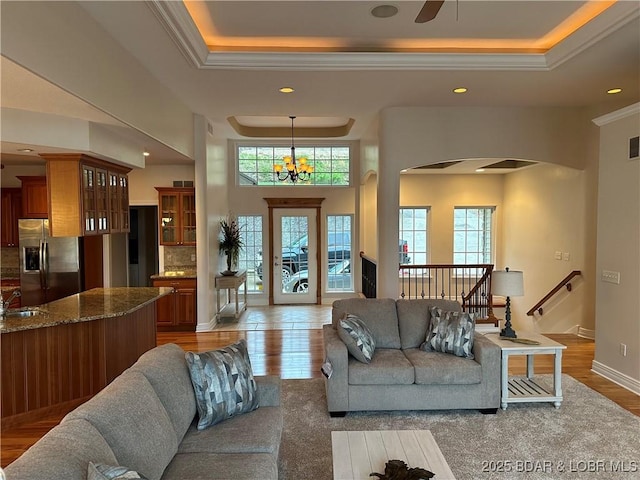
[144,420]
[400,375]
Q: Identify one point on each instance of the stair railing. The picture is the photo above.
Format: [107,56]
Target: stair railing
[369,276]
[565,282]
[469,284]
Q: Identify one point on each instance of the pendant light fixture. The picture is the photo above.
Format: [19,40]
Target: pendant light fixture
[293,169]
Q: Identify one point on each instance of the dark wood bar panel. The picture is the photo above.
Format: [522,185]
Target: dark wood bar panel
[53,368]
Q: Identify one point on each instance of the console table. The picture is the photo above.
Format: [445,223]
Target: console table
[231,282]
[525,389]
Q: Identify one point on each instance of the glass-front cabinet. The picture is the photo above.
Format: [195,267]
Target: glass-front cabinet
[177,211]
[88,196]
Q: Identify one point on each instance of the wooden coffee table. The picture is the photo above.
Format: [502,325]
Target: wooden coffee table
[357,454]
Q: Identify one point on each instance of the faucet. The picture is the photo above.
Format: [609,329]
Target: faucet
[4,304]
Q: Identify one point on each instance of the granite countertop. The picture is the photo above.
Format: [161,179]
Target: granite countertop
[169,274]
[85,306]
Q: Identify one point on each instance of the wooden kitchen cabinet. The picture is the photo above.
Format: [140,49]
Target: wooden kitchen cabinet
[118,202]
[177,311]
[11,211]
[88,196]
[34,197]
[177,212]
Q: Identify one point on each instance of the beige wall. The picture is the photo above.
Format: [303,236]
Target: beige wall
[444,192]
[618,306]
[9,173]
[142,181]
[544,213]
[411,136]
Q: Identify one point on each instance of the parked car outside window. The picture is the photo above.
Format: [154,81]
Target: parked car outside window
[338,278]
[296,256]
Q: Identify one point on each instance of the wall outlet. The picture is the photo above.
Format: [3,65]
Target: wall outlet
[623,350]
[558,256]
[566,256]
[193,257]
[611,277]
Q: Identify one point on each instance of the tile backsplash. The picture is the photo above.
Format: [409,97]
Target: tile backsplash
[179,258]
[9,262]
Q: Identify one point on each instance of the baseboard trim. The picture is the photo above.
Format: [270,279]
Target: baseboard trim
[586,333]
[616,377]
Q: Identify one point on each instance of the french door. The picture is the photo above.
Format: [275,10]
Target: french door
[294,261]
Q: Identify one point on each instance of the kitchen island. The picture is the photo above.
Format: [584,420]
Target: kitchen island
[66,351]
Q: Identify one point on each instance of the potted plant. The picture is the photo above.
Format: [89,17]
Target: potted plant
[230,242]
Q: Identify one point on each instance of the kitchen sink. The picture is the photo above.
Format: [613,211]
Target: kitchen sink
[23,312]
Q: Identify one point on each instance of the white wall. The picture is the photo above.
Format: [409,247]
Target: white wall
[212,203]
[618,306]
[84,60]
[249,200]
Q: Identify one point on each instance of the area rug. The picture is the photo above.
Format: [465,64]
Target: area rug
[588,437]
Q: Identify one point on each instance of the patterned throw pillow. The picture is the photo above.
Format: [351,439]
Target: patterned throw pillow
[357,337]
[223,383]
[450,332]
[98,471]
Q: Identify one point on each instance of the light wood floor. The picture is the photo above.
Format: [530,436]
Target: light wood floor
[296,352]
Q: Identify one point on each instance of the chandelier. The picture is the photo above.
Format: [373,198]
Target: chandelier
[291,170]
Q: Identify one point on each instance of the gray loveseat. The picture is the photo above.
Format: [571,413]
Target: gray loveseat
[144,420]
[400,375]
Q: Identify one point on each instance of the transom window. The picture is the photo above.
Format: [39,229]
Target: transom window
[255,164]
[412,245]
[473,235]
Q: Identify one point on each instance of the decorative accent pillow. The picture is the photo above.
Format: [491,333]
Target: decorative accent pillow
[450,332]
[98,471]
[223,383]
[357,337]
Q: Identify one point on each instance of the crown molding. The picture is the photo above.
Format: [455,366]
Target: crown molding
[373,61]
[612,19]
[175,19]
[633,109]
[178,23]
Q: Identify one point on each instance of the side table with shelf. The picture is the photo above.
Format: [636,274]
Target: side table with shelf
[231,309]
[517,389]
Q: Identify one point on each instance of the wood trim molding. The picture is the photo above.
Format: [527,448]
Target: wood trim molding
[290,202]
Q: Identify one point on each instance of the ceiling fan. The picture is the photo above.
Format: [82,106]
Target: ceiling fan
[429,11]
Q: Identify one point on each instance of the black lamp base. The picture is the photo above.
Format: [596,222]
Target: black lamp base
[507,331]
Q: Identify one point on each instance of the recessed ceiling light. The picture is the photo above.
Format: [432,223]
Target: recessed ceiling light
[145,153]
[614,90]
[479,170]
[287,90]
[25,150]
[384,11]
[460,90]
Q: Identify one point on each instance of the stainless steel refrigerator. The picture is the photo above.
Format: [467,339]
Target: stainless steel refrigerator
[50,267]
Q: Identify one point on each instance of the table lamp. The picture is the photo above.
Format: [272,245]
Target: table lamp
[507,283]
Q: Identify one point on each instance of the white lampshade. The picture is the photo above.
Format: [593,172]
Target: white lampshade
[507,283]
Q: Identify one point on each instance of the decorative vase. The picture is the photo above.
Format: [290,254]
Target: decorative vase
[228,272]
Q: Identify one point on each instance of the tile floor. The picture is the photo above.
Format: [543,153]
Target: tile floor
[279,317]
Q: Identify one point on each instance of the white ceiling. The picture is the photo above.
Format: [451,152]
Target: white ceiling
[244,81]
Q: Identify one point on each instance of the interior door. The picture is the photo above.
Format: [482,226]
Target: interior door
[294,262]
